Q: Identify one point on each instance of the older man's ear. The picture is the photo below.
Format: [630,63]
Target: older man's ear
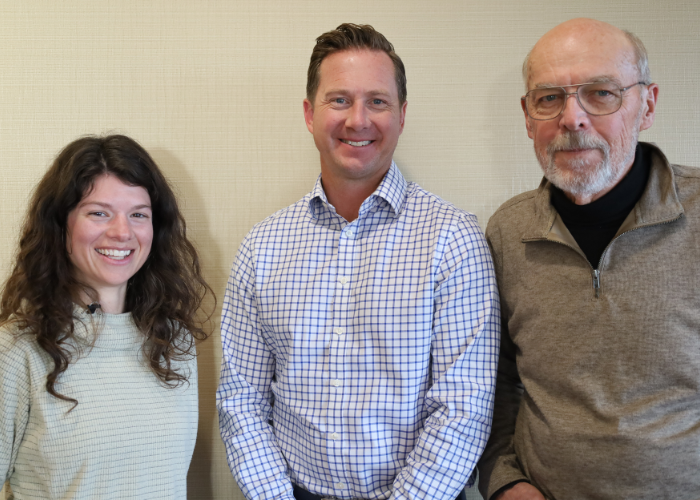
[652,95]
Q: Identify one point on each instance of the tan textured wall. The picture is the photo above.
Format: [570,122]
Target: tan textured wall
[213,89]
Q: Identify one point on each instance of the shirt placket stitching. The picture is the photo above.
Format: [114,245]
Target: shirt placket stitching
[341,331]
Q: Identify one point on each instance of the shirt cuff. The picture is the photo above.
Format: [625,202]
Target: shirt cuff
[509,485]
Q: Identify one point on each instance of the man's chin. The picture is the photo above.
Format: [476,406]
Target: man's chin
[576,161]
[582,178]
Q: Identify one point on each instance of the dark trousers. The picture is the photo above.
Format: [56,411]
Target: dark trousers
[301,494]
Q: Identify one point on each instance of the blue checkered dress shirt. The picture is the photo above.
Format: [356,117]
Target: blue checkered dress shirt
[359,358]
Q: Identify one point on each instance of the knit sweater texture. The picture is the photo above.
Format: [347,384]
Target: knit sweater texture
[129,437]
[598,392]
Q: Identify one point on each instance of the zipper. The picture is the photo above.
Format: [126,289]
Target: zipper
[596,282]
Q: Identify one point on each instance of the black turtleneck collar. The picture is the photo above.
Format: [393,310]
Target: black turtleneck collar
[594,225]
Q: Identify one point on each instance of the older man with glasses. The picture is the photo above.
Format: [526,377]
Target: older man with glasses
[598,393]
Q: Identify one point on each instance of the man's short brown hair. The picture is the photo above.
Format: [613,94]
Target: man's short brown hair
[350,36]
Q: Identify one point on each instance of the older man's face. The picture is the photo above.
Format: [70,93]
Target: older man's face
[587,155]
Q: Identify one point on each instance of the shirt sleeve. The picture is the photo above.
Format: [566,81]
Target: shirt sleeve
[499,465]
[244,396]
[15,388]
[466,335]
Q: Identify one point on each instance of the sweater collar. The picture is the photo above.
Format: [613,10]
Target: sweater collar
[659,202]
[106,331]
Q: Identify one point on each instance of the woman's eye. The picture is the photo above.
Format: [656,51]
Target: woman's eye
[98,214]
[140,215]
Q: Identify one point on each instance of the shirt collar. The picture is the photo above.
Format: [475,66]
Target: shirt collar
[392,189]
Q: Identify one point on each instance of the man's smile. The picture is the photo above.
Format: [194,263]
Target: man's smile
[356,143]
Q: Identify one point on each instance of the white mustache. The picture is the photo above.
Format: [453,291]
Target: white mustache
[577,140]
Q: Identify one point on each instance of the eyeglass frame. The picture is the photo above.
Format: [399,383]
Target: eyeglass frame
[568,94]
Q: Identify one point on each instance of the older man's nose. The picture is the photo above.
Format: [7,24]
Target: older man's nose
[574,117]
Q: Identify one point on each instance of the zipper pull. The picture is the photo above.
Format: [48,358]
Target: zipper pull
[596,282]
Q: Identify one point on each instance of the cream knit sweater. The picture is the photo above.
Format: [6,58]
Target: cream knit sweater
[129,437]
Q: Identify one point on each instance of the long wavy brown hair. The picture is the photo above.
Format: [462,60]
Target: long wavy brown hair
[164,296]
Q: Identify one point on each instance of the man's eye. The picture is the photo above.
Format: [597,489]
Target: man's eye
[339,100]
[377,102]
[549,98]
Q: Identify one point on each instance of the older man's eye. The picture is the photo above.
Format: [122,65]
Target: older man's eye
[549,98]
[339,100]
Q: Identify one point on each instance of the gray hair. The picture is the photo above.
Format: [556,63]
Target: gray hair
[640,54]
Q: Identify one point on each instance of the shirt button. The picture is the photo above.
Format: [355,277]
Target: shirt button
[343,280]
[335,436]
[350,233]
[339,331]
[336,383]
[340,485]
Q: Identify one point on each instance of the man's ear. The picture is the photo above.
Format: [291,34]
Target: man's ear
[528,123]
[309,115]
[403,115]
[650,103]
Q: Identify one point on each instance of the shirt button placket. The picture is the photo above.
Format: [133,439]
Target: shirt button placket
[338,345]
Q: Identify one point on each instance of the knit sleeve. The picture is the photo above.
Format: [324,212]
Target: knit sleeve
[15,389]
[499,465]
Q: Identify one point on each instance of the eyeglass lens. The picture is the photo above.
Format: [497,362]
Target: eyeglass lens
[594,98]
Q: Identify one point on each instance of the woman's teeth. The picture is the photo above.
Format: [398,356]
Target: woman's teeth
[114,254]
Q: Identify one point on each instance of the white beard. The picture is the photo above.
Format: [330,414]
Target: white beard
[581,178]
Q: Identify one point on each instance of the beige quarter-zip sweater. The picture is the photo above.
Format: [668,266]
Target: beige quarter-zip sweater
[598,395]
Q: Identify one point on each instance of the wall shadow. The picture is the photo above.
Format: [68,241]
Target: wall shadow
[199,478]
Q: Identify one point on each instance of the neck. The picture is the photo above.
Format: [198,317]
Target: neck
[111,301]
[347,195]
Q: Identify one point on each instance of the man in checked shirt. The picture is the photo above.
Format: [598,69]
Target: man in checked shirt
[360,326]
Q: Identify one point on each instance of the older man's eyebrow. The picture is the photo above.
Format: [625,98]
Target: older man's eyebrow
[597,79]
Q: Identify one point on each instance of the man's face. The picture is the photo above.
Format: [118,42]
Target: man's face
[356,117]
[582,154]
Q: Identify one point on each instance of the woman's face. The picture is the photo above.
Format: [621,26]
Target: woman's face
[109,236]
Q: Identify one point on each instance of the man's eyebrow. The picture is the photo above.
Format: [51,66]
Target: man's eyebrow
[345,92]
[597,79]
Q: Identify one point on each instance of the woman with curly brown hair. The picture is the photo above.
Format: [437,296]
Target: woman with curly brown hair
[98,376]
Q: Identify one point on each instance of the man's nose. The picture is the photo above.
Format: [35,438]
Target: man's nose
[573,117]
[358,117]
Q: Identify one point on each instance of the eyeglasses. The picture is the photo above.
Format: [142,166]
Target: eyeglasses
[597,99]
